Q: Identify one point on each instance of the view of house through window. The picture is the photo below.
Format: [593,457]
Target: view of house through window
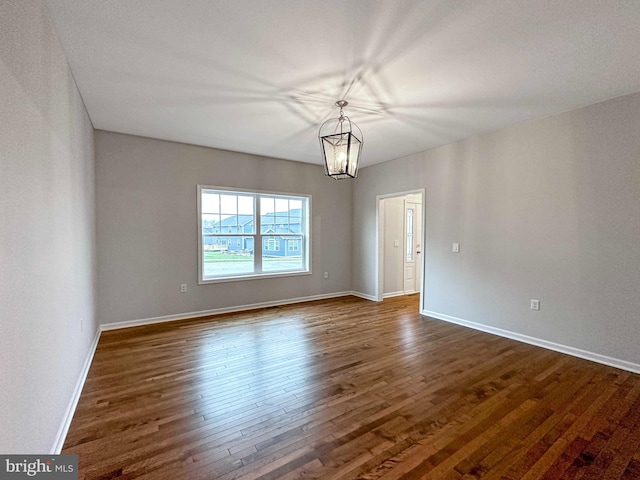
[251,233]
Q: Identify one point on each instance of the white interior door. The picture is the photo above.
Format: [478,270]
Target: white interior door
[412,247]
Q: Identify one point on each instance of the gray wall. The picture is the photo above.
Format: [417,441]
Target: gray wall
[548,209]
[147,227]
[47,253]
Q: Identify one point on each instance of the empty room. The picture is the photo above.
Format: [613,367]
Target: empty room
[280,239]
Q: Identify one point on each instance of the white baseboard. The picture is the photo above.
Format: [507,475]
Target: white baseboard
[575,352]
[218,311]
[364,295]
[73,403]
[393,294]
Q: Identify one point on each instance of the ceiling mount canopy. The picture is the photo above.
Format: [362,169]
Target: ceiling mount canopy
[341,145]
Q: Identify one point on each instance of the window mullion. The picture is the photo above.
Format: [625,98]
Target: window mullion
[257,244]
[304,230]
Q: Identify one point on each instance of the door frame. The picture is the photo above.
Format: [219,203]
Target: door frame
[379,267]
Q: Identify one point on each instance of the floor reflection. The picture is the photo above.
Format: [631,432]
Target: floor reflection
[257,367]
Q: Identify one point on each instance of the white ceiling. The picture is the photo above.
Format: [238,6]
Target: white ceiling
[260,76]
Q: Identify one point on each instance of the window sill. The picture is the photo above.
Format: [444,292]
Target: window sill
[253,276]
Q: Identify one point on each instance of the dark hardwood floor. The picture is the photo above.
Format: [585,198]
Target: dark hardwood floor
[348,389]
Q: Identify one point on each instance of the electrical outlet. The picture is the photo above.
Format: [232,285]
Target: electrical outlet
[326,274]
[535,304]
[183,287]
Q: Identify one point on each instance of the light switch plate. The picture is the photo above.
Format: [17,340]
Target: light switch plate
[455,248]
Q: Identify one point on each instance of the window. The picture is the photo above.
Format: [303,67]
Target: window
[232,223]
[409,234]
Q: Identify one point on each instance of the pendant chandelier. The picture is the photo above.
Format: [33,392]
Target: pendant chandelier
[341,144]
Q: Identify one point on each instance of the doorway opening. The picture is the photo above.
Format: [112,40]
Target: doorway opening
[400,244]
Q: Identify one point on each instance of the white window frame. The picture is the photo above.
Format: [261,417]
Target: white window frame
[304,242]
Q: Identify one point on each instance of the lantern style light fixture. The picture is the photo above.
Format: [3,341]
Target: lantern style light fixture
[341,144]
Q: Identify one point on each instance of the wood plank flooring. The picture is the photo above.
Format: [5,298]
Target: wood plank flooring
[348,389]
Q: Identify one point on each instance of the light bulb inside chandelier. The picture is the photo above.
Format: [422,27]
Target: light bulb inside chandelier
[341,145]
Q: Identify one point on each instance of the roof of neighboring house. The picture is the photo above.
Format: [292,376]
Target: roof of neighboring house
[294,216]
[231,221]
